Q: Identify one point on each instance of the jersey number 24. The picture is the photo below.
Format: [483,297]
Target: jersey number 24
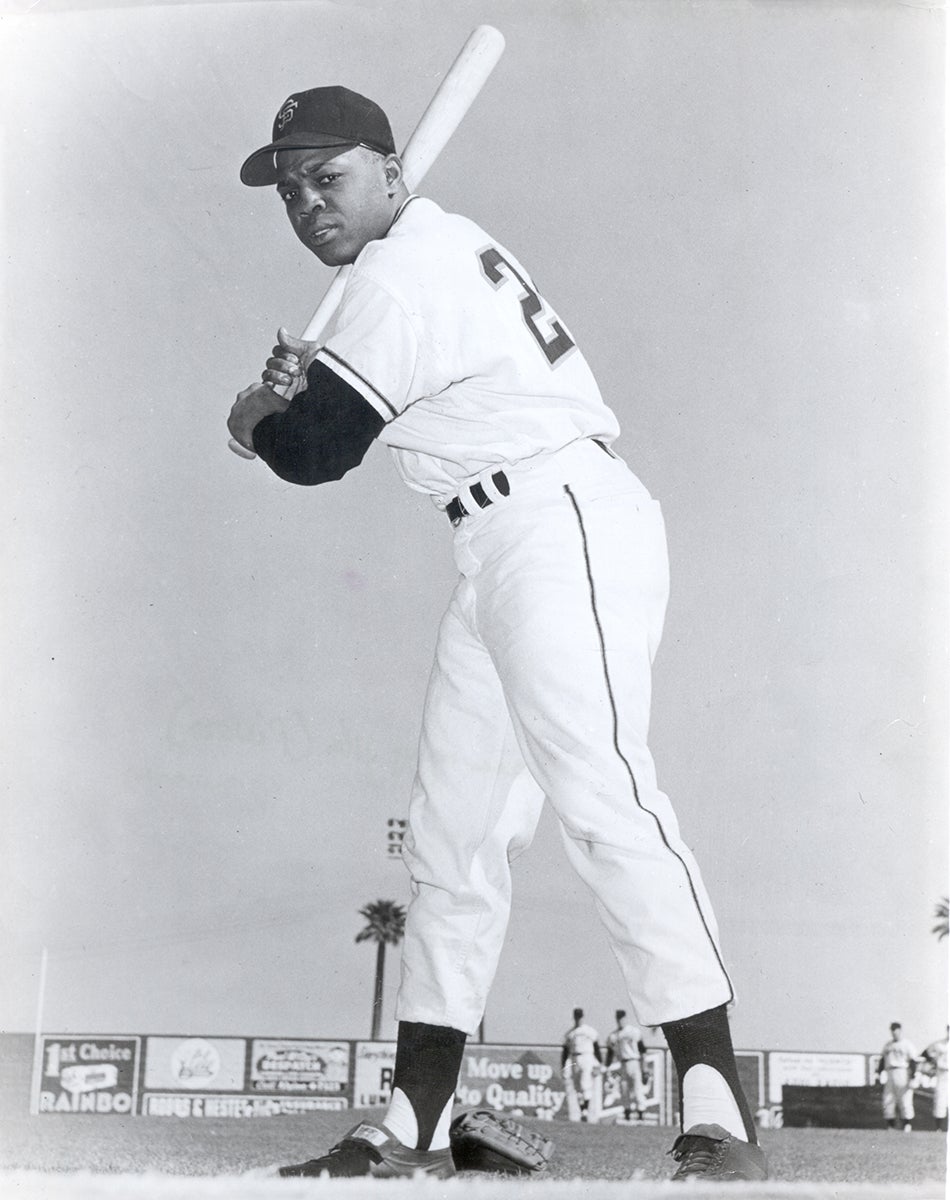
[548,332]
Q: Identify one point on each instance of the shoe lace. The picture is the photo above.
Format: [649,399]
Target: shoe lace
[351,1148]
[342,1150]
[697,1155]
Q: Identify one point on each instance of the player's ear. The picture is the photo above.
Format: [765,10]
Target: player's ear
[394,173]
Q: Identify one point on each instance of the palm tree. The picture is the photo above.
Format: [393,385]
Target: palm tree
[386,924]
[942,913]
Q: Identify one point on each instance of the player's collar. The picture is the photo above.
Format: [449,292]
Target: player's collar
[402,208]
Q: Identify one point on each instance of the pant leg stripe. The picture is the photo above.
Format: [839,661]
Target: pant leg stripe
[619,751]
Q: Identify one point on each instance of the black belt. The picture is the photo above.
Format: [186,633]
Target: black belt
[455,510]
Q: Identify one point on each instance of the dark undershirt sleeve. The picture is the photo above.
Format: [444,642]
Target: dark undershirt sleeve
[325,431]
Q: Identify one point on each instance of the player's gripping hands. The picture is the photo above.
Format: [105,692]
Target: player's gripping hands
[289,360]
[286,368]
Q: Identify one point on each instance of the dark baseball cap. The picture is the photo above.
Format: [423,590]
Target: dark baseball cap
[320,118]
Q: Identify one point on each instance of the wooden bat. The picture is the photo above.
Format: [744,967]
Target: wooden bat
[453,98]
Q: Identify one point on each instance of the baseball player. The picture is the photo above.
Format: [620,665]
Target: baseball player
[444,349]
[580,1056]
[625,1046]
[897,1066]
[935,1058]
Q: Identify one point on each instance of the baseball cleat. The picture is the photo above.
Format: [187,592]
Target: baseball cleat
[372,1150]
[710,1152]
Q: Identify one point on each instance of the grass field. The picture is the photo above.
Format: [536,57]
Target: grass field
[64,1157]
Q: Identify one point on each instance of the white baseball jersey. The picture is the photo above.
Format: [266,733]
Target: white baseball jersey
[898,1054]
[512,386]
[443,349]
[936,1053]
[624,1043]
[580,1041]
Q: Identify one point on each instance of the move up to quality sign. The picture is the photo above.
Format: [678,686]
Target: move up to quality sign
[516,1079]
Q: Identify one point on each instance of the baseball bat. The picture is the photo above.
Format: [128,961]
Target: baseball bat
[453,98]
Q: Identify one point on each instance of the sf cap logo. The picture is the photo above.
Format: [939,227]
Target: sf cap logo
[287,111]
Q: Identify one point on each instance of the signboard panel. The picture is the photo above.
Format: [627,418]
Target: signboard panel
[373,1073]
[163,1104]
[750,1066]
[611,1104]
[814,1069]
[299,1066]
[89,1074]
[194,1064]
[522,1080]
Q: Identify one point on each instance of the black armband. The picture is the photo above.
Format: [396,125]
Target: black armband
[325,431]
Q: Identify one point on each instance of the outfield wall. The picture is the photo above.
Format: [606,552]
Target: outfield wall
[200,1076]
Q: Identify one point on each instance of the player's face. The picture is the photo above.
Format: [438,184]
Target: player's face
[337,205]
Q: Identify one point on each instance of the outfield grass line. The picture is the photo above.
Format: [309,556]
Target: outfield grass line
[87,1185]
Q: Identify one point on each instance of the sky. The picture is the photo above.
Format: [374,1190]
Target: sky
[212,680]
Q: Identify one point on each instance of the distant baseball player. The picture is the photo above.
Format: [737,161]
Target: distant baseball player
[580,1056]
[896,1067]
[445,350]
[935,1058]
[626,1047]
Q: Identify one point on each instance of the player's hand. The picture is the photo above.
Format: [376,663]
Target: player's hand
[289,360]
[252,406]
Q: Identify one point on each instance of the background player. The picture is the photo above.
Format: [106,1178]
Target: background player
[626,1047]
[444,350]
[580,1056]
[935,1056]
[896,1066]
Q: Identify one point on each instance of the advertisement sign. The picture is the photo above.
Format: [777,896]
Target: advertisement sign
[813,1069]
[299,1066]
[88,1075]
[159,1104]
[750,1067]
[373,1073]
[652,1106]
[201,1064]
[525,1081]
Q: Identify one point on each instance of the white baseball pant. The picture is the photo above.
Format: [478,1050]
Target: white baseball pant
[898,1097]
[632,1092]
[940,1095]
[547,646]
[579,1074]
